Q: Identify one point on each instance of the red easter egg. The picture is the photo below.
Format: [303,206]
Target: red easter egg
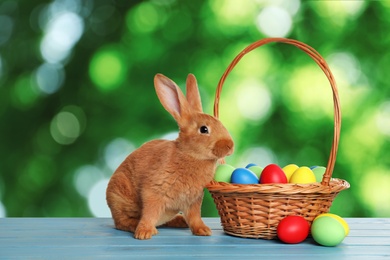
[293,229]
[272,173]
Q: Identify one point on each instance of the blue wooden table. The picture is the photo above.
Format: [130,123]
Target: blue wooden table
[96,238]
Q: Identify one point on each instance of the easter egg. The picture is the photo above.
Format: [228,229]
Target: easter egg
[223,172]
[327,231]
[272,173]
[338,218]
[243,176]
[289,170]
[256,170]
[293,229]
[319,172]
[303,175]
[250,165]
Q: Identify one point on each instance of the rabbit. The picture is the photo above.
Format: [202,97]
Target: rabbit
[162,182]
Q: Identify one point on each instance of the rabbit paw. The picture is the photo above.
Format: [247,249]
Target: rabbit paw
[202,231]
[145,233]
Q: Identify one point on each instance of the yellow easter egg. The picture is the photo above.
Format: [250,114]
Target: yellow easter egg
[289,170]
[338,218]
[303,175]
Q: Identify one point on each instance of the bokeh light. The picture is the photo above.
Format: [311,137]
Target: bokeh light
[348,64]
[145,18]
[65,128]
[108,69]
[97,198]
[274,21]
[377,199]
[67,125]
[116,152]
[25,92]
[50,77]
[225,10]
[253,100]
[85,177]
[61,34]
[339,10]
[309,93]
[291,6]
[356,148]
[383,118]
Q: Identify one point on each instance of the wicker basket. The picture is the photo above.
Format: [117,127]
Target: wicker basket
[254,211]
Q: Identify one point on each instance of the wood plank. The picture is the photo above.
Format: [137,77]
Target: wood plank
[96,238]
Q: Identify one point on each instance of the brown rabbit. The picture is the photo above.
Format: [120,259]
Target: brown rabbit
[162,182]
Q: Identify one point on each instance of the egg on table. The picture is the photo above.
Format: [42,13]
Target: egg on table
[293,229]
[328,230]
[338,218]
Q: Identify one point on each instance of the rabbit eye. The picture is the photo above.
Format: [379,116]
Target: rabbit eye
[203,129]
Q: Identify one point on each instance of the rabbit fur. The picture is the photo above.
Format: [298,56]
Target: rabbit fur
[162,182]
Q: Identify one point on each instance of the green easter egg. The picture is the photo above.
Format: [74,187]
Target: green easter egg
[327,231]
[319,172]
[256,170]
[223,172]
[338,218]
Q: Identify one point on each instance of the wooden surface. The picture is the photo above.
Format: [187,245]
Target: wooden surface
[96,238]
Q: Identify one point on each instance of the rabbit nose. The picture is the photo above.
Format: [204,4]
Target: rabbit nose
[230,147]
[223,148]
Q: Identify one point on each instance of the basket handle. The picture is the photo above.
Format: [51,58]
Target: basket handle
[325,68]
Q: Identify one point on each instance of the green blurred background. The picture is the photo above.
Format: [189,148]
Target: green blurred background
[77,95]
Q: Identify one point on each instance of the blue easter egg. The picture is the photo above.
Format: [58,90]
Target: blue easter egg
[243,176]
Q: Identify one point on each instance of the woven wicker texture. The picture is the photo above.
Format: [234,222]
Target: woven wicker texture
[255,210]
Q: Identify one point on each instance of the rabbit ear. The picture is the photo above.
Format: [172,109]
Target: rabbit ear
[192,93]
[172,98]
